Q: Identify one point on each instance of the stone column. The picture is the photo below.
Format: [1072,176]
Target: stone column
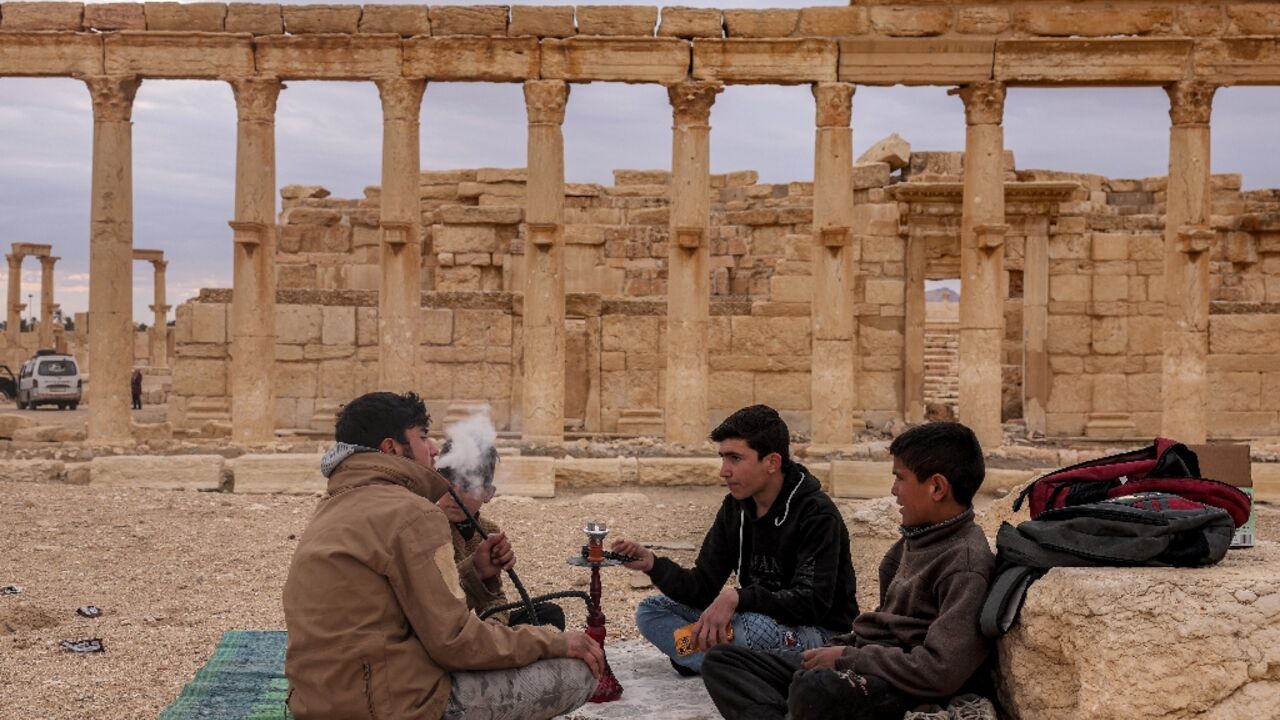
[542,407]
[1035,330]
[982,261]
[13,329]
[47,307]
[111,256]
[688,262]
[913,409]
[253,297]
[400,285]
[833,385]
[1187,240]
[159,327]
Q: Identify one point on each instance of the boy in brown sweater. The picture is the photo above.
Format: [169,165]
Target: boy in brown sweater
[922,643]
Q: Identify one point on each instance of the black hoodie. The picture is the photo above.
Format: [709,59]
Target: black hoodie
[793,564]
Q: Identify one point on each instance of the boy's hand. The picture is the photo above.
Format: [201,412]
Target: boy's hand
[711,628]
[580,645]
[643,555]
[493,556]
[824,657]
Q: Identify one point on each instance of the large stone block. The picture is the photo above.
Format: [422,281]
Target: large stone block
[684,22]
[617,20]
[168,472]
[301,19]
[1251,19]
[832,21]
[592,472]
[861,478]
[472,20]
[186,17]
[1203,641]
[526,476]
[491,59]
[885,291]
[42,16]
[760,23]
[678,471]
[912,21]
[1244,334]
[769,335]
[584,59]
[329,57]
[403,20]
[178,55]
[298,324]
[33,471]
[208,323]
[10,423]
[294,473]
[465,239]
[114,16]
[338,325]
[982,20]
[548,21]
[479,328]
[437,326]
[203,378]
[765,61]
[254,18]
[1133,60]
[53,53]
[1094,21]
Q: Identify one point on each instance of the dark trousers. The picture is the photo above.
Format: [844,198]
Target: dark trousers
[137,401]
[548,614]
[760,684]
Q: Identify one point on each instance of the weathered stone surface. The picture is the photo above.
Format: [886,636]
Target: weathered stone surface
[186,17]
[678,471]
[300,19]
[178,55]
[51,53]
[526,476]
[10,423]
[254,18]
[870,175]
[553,21]
[633,20]
[982,20]
[41,16]
[875,518]
[1204,641]
[683,22]
[861,478]
[592,472]
[1094,21]
[1104,60]
[48,433]
[294,473]
[1255,19]
[328,57]
[496,59]
[172,472]
[615,59]
[115,16]
[404,20]
[472,20]
[760,23]
[914,61]
[34,471]
[911,21]
[894,150]
[832,21]
[765,61]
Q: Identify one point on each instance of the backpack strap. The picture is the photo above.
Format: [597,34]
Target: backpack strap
[1005,598]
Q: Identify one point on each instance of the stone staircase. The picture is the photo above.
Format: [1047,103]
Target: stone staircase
[942,364]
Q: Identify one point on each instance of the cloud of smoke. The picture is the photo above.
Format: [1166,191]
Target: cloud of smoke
[470,457]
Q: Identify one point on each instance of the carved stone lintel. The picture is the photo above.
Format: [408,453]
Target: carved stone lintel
[112,96]
[545,101]
[256,98]
[401,97]
[691,100]
[835,103]
[983,102]
[1190,103]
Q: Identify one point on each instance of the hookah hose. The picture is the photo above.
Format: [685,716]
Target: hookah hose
[529,603]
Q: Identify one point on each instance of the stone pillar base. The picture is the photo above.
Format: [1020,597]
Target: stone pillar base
[1109,426]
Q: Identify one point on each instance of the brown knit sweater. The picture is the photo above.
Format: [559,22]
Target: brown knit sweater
[479,599]
[923,638]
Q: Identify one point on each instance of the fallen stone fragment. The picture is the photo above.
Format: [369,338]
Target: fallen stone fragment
[87,645]
[89,611]
[11,590]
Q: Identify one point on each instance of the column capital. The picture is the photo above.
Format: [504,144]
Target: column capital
[159,265]
[1190,103]
[15,261]
[691,100]
[983,102]
[401,97]
[545,101]
[256,98]
[160,308]
[112,96]
[48,260]
[835,103]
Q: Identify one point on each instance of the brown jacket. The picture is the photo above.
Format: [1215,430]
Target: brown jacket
[376,614]
[484,595]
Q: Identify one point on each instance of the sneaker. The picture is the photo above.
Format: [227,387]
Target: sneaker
[927,712]
[971,707]
[684,671]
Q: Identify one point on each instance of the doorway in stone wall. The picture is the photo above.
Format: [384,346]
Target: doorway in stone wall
[941,353]
[577,375]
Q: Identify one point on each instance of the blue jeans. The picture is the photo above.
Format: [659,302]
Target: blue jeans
[658,617]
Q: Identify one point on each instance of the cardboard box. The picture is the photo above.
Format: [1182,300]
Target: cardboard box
[1230,464]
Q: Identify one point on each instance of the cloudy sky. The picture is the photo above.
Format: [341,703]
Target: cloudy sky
[330,134]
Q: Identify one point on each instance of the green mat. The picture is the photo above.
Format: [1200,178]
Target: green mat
[244,680]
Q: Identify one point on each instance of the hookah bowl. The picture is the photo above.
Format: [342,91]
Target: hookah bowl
[608,689]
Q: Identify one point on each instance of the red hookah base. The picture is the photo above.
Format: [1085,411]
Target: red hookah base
[608,689]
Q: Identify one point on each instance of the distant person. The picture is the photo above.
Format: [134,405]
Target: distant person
[135,387]
[374,606]
[922,644]
[782,537]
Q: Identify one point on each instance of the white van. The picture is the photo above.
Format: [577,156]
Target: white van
[49,379]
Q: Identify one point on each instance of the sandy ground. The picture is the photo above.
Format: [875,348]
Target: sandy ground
[173,570]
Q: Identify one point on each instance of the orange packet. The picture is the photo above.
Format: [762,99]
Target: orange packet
[686,643]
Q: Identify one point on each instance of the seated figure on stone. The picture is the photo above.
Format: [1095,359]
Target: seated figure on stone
[781,537]
[922,644]
[469,460]
[377,618]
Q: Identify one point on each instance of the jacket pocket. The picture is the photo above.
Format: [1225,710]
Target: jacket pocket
[368,688]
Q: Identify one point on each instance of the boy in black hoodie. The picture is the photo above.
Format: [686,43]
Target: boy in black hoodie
[778,532]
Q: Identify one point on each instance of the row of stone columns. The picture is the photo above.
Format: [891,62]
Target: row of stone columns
[16,306]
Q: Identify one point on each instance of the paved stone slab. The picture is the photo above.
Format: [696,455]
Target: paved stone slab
[281,473]
[527,476]
[861,478]
[165,472]
[650,688]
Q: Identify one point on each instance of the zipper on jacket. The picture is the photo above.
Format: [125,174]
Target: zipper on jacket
[368,688]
